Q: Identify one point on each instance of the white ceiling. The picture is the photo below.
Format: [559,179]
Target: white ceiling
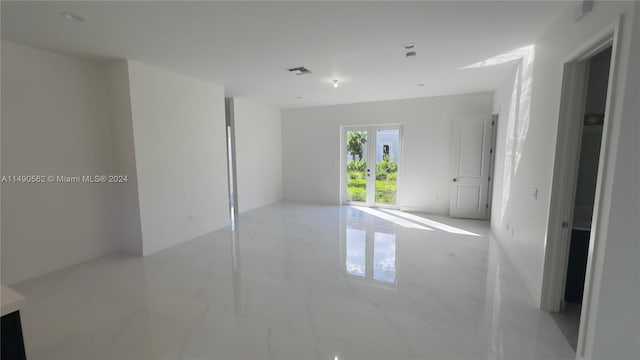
[246,46]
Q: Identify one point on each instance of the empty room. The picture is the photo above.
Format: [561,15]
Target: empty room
[320,180]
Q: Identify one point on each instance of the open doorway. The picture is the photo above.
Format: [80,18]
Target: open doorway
[577,108]
[579,226]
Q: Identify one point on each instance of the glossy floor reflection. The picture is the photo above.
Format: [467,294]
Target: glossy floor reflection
[370,246]
[298,282]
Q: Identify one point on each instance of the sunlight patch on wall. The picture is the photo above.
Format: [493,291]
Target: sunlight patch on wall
[517,54]
[518,117]
[509,145]
[526,80]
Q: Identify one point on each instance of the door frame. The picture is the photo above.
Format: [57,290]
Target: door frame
[371,129]
[492,163]
[565,173]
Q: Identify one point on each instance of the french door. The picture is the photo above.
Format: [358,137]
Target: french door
[371,165]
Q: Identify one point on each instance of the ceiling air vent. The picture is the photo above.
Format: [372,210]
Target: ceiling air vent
[300,70]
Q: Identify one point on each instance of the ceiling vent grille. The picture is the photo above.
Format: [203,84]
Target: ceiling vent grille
[300,70]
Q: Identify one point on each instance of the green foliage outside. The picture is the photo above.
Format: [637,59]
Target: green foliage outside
[386,180]
[386,192]
[386,172]
[355,143]
[386,169]
[356,188]
[357,165]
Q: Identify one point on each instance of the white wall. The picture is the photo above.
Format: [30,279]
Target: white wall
[311,147]
[122,124]
[180,151]
[55,120]
[64,116]
[524,161]
[258,144]
[526,140]
[514,212]
[617,323]
[1,172]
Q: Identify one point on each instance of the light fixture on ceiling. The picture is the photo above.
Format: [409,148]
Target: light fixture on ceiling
[71,16]
[299,70]
[335,82]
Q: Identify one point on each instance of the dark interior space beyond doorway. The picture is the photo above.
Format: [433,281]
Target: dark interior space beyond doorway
[568,319]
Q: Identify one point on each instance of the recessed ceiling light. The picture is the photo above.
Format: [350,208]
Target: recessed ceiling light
[71,16]
[335,82]
[409,46]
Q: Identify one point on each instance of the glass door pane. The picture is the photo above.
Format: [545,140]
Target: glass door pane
[387,162]
[356,162]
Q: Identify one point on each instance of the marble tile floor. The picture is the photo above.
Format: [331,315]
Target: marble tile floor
[298,282]
[568,322]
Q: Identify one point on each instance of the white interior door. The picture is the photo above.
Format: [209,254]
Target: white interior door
[470,168]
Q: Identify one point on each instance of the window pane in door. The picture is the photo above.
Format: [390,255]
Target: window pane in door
[356,162]
[387,162]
